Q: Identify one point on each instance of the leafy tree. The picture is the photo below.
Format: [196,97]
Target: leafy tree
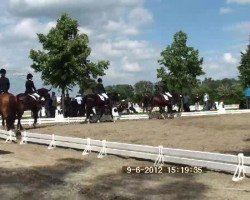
[63,62]
[228,90]
[244,68]
[143,87]
[181,64]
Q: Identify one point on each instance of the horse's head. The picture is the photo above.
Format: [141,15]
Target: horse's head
[114,97]
[43,93]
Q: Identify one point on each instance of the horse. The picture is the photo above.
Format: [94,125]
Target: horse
[91,101]
[124,105]
[149,102]
[8,108]
[27,102]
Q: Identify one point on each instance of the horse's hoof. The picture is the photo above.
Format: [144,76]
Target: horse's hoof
[98,121]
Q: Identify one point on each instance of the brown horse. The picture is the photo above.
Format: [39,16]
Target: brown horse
[8,108]
[94,101]
[150,102]
[124,105]
[26,102]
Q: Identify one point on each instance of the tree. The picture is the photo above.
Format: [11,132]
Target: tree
[181,64]
[244,68]
[64,60]
[143,87]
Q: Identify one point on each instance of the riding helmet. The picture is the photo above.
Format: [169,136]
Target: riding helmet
[29,76]
[99,80]
[2,71]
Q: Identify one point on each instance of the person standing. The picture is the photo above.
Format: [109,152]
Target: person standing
[4,82]
[186,103]
[197,102]
[205,99]
[53,104]
[47,106]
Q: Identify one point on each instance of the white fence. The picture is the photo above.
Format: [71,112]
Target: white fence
[60,119]
[238,165]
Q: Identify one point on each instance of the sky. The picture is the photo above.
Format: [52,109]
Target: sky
[129,33]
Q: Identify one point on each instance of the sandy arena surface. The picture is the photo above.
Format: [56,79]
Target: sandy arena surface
[33,172]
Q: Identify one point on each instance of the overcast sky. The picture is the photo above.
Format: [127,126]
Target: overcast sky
[129,33]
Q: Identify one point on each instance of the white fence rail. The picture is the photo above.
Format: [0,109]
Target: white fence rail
[214,161]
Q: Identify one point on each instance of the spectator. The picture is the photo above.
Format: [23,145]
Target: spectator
[67,100]
[186,103]
[47,106]
[53,105]
[197,102]
[205,99]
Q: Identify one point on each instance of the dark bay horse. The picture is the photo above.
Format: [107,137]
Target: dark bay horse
[91,101]
[124,105]
[8,108]
[26,102]
[149,102]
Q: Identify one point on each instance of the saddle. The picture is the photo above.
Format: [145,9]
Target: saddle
[165,97]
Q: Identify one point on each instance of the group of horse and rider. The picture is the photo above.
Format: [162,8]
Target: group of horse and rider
[12,107]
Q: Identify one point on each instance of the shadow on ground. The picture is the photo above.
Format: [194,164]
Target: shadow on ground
[142,186]
[5,152]
[39,182]
[73,179]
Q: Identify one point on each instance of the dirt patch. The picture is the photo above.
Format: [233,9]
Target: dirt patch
[225,133]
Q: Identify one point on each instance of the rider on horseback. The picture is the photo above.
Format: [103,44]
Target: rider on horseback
[4,82]
[100,90]
[30,87]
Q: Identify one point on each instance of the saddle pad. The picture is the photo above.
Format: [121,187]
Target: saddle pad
[33,97]
[165,97]
[101,97]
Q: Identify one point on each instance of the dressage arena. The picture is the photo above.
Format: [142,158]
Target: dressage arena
[32,171]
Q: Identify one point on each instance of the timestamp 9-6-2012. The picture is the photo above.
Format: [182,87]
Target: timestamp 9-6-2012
[162,170]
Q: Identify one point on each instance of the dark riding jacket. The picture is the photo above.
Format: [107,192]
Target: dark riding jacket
[100,88]
[30,88]
[4,85]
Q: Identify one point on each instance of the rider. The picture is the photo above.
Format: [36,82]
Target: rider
[30,87]
[4,82]
[100,89]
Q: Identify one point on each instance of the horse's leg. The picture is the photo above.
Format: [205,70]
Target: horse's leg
[150,109]
[3,122]
[88,111]
[102,108]
[161,112]
[111,113]
[35,115]
[19,117]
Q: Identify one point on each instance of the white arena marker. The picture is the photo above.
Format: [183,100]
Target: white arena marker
[24,138]
[239,173]
[103,151]
[160,158]
[87,149]
[52,144]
